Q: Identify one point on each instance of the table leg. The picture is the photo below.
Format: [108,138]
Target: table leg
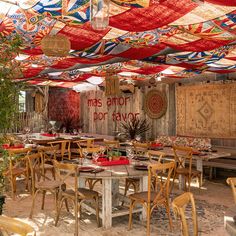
[200,167]
[144,187]
[106,203]
[81,182]
[181,182]
[115,192]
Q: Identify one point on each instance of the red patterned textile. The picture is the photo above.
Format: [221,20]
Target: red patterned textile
[155,16]
[185,37]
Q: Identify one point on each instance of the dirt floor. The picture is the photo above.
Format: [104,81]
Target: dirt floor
[212,201]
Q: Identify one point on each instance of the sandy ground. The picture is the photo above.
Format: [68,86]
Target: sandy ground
[213,200]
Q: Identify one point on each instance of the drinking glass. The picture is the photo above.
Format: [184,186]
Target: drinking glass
[95,156]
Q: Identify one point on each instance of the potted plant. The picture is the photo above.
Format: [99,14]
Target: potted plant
[134,128]
[9,95]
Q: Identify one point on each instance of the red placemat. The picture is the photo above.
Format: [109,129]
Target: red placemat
[156,145]
[13,147]
[106,162]
[48,135]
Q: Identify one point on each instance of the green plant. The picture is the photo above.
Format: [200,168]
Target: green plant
[10,70]
[9,87]
[135,127]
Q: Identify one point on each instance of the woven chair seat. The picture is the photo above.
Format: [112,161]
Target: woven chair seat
[182,170]
[142,196]
[48,184]
[15,171]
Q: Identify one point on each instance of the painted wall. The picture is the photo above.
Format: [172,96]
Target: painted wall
[103,115]
[63,104]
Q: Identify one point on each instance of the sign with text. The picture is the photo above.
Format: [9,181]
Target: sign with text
[109,102]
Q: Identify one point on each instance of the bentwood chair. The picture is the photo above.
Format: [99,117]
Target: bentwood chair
[140,150]
[91,150]
[10,225]
[49,154]
[155,155]
[84,143]
[71,192]
[41,183]
[18,166]
[110,144]
[179,205]
[64,151]
[232,182]
[154,197]
[183,159]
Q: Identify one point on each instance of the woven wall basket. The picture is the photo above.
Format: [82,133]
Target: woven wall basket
[155,104]
[56,45]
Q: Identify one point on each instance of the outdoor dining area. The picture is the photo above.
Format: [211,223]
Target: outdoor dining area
[117,117]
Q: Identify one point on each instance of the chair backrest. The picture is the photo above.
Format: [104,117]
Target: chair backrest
[49,152]
[36,165]
[64,172]
[140,149]
[97,149]
[11,225]
[183,154]
[179,204]
[152,154]
[64,146]
[156,182]
[232,182]
[110,144]
[85,143]
[18,158]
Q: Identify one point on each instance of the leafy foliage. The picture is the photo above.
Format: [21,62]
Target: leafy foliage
[9,89]
[135,127]
[10,69]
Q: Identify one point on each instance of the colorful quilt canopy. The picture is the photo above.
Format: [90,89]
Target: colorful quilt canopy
[144,39]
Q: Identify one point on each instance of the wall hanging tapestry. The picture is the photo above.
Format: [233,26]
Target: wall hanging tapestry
[155,104]
[206,110]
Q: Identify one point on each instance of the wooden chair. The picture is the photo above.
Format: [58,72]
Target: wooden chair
[154,197]
[84,143]
[183,156]
[49,154]
[179,204]
[40,183]
[64,150]
[155,155]
[18,166]
[140,150]
[10,225]
[232,182]
[71,192]
[91,181]
[110,144]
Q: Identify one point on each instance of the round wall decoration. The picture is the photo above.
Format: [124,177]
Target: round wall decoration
[155,104]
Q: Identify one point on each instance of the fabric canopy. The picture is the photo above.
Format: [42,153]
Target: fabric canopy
[144,38]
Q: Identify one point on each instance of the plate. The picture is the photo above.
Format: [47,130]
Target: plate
[141,167]
[86,169]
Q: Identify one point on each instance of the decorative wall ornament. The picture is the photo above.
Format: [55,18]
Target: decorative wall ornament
[56,45]
[111,83]
[155,104]
[207,110]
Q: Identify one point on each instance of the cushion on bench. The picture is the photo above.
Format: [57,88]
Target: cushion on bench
[184,141]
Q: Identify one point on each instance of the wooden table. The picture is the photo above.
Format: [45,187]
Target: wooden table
[110,189]
[199,159]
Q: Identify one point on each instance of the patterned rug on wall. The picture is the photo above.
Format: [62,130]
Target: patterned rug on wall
[206,110]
